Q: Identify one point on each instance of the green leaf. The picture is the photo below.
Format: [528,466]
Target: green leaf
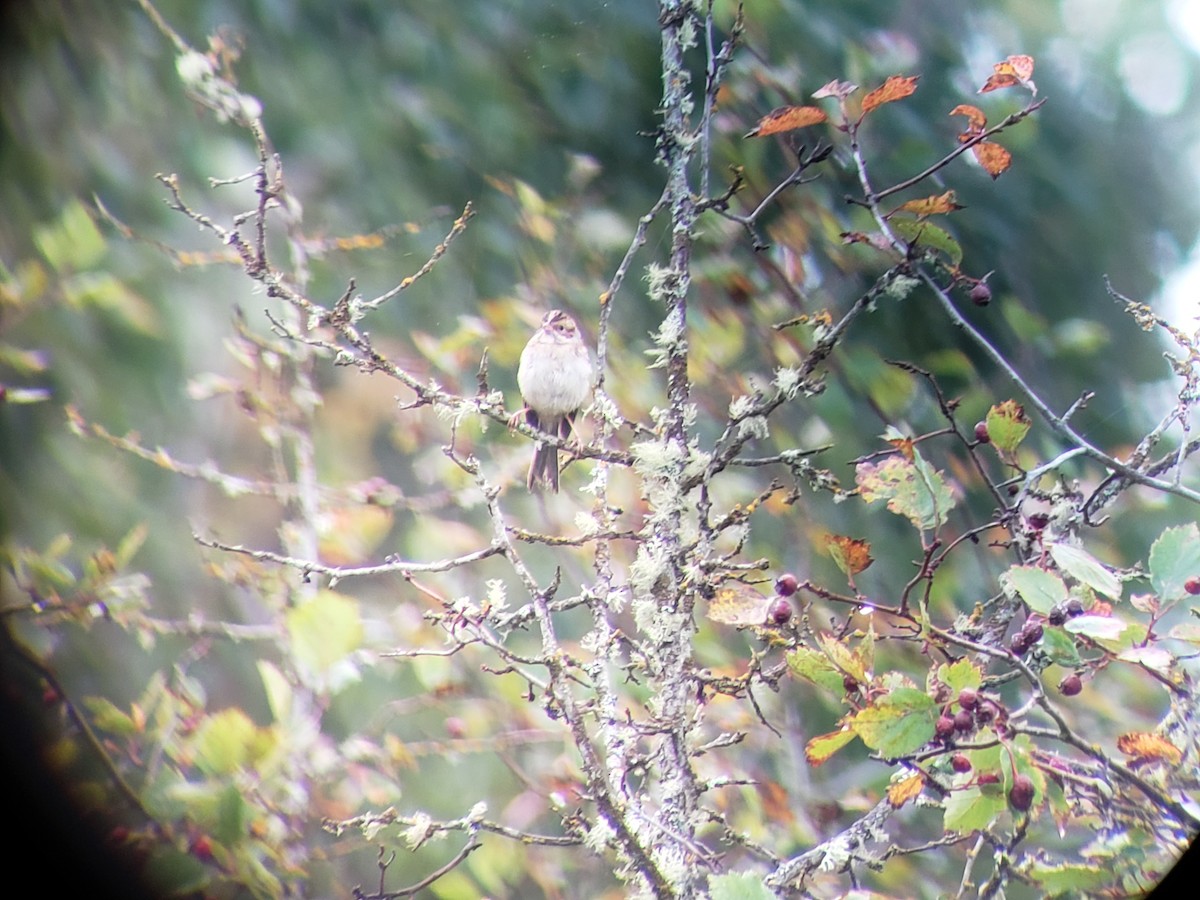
[325,630]
[1007,425]
[912,488]
[232,816]
[279,690]
[1084,567]
[173,873]
[73,242]
[814,666]
[1109,632]
[228,741]
[973,809]
[1074,879]
[820,748]
[959,675]
[898,723]
[1057,645]
[922,234]
[1041,590]
[1174,558]
[738,886]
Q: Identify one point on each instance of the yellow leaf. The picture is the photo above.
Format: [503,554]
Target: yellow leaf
[903,791]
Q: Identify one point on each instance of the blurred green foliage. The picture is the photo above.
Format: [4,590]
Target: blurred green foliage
[391,117]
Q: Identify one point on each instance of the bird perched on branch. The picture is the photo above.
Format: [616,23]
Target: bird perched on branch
[556,377]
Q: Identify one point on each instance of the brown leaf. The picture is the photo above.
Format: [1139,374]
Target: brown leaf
[994,158]
[897,87]
[1013,71]
[976,120]
[852,555]
[1144,745]
[787,118]
[835,88]
[931,205]
[903,791]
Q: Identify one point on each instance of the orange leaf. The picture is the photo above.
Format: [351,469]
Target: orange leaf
[1014,70]
[897,87]
[932,205]
[976,120]
[787,118]
[852,555]
[1145,745]
[904,445]
[994,158]
[903,791]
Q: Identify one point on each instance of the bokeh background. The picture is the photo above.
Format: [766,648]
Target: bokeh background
[390,117]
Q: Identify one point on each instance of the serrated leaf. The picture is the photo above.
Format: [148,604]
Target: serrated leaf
[935,204]
[996,160]
[1154,658]
[1147,746]
[787,118]
[814,666]
[896,87]
[1174,558]
[1107,630]
[1084,567]
[959,675]
[898,723]
[851,555]
[1041,590]
[846,660]
[1072,879]
[1007,425]
[972,810]
[819,749]
[738,604]
[919,233]
[912,488]
[1059,647]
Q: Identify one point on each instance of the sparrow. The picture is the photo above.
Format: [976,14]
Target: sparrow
[556,377]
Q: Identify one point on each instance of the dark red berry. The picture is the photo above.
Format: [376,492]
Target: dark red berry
[1020,796]
[1057,616]
[981,433]
[959,763]
[1038,520]
[968,698]
[985,713]
[202,848]
[963,721]
[1071,685]
[943,727]
[1033,631]
[981,294]
[850,684]
[988,778]
[786,584]
[1192,586]
[1074,607]
[781,611]
[1019,644]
